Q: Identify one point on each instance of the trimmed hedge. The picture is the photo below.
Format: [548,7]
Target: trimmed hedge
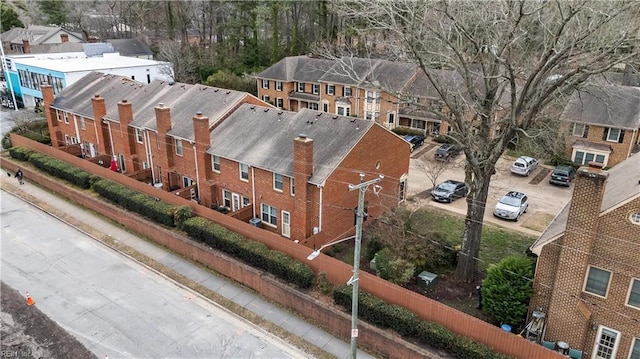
[377,312]
[20,153]
[251,252]
[147,206]
[53,166]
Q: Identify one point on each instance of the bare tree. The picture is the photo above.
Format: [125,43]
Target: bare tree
[515,63]
[432,168]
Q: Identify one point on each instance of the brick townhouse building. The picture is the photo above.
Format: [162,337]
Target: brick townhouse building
[587,278]
[602,122]
[290,170]
[394,94]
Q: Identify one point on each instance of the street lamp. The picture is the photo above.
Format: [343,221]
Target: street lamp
[362,187]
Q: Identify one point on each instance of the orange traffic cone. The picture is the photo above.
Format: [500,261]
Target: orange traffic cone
[30,300]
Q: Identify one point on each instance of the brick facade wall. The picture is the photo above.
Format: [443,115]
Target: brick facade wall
[605,241]
[619,151]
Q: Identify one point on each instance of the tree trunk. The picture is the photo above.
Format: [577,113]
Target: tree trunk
[275,43]
[469,254]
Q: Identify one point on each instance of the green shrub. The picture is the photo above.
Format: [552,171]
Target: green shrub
[405,323]
[20,153]
[61,169]
[392,268]
[506,290]
[182,214]
[250,252]
[147,206]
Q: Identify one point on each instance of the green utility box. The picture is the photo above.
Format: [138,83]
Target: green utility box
[427,280]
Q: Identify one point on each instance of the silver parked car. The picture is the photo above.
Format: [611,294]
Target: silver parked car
[524,165]
[511,206]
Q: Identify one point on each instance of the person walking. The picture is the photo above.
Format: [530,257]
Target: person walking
[19,176]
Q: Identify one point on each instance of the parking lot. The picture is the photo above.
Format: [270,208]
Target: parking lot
[545,200]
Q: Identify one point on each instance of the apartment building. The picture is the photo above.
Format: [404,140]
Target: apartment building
[286,171]
[587,278]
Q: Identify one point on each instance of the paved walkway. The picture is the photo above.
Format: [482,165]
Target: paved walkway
[226,288]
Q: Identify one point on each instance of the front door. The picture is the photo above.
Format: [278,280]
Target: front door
[235,203]
[286,224]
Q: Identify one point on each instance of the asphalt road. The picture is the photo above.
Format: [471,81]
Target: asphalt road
[115,306]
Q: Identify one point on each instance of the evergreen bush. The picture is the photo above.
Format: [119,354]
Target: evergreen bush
[61,169]
[20,153]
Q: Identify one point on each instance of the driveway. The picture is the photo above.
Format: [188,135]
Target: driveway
[545,200]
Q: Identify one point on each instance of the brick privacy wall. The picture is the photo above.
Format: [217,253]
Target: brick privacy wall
[619,151]
[603,241]
[336,271]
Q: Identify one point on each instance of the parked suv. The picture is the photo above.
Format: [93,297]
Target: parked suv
[524,165]
[562,175]
[446,152]
[415,141]
[449,190]
[511,206]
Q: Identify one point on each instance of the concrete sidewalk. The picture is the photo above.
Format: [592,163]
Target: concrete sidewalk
[224,287]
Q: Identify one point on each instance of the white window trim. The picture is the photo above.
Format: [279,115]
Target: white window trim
[346,109]
[58,116]
[269,214]
[213,163]
[240,172]
[292,187]
[314,106]
[599,334]
[300,87]
[586,278]
[315,89]
[635,218]
[279,102]
[594,152]
[266,98]
[331,89]
[617,137]
[66,117]
[626,302]
[139,135]
[344,91]
[573,131]
[278,85]
[275,175]
[179,148]
[265,84]
[635,340]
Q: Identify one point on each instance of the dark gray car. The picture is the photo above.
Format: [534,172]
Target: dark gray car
[449,190]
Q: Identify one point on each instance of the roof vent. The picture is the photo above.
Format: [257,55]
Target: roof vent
[319,114]
[253,107]
[199,113]
[216,90]
[335,117]
[302,135]
[161,104]
[228,92]
[266,110]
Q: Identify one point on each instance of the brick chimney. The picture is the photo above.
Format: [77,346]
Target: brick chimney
[203,140]
[26,46]
[166,152]
[574,256]
[99,110]
[52,122]
[127,133]
[64,37]
[302,221]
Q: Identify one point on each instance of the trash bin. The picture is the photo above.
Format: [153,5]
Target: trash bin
[256,222]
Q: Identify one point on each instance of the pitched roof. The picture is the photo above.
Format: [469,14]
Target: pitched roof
[183,100]
[36,34]
[605,105]
[623,183]
[76,97]
[270,134]
[130,47]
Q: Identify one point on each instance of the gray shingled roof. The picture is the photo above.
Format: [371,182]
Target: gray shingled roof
[623,183]
[130,47]
[264,139]
[183,100]
[605,105]
[77,96]
[36,34]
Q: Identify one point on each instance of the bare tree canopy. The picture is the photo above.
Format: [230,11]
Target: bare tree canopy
[515,62]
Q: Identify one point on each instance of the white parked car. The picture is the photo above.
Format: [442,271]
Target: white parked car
[524,165]
[511,206]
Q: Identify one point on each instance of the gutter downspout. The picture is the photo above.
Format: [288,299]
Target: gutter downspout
[110,138]
[195,159]
[75,124]
[253,191]
[147,150]
[320,209]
